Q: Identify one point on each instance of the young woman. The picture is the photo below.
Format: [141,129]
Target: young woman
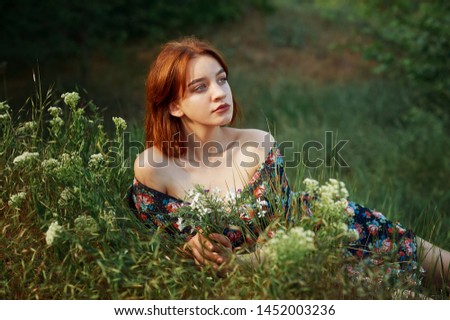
[189,107]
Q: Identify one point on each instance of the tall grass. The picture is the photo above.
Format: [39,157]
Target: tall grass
[396,153]
[67,232]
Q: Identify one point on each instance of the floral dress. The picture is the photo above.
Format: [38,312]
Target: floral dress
[376,233]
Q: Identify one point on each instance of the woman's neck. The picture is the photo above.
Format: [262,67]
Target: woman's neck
[207,142]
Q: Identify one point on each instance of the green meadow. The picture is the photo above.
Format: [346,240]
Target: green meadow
[317,74]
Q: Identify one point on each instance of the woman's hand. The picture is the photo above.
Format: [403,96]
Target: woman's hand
[214,250]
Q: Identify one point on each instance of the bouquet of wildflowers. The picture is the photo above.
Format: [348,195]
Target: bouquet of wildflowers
[209,211]
[327,210]
[319,220]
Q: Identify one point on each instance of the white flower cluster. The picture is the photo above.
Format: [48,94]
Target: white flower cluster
[86,224]
[311,185]
[4,117]
[55,111]
[262,206]
[50,164]
[95,160]
[72,159]
[333,194]
[56,123]
[231,196]
[198,202]
[109,216]
[120,123]
[52,233]
[28,126]
[67,196]
[209,210]
[287,246]
[3,106]
[26,158]
[71,99]
[16,199]
[4,114]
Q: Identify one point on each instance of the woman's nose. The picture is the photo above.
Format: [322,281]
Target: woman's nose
[218,92]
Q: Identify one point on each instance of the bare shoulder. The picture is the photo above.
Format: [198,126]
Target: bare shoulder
[150,168]
[255,142]
[254,136]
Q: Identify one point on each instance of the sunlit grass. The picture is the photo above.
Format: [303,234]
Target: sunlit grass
[77,174]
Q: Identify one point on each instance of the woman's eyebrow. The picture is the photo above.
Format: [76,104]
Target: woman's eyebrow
[204,78]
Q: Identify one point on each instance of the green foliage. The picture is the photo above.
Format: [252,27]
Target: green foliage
[409,40]
[396,154]
[67,232]
[31,29]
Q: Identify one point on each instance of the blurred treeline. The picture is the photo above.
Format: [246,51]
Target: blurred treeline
[410,41]
[53,29]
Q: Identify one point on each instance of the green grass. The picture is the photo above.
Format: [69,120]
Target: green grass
[396,153]
[397,156]
[104,253]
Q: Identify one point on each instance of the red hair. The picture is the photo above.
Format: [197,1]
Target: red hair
[166,83]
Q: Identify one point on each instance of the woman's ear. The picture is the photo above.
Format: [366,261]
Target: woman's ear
[175,110]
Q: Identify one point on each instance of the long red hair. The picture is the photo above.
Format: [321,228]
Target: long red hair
[166,83]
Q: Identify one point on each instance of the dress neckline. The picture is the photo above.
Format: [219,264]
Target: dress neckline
[249,183]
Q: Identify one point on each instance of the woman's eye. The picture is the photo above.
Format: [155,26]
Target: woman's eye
[222,80]
[200,88]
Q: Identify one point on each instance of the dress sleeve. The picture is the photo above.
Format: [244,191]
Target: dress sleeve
[270,186]
[157,210]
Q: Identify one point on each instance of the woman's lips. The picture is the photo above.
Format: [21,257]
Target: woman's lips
[222,108]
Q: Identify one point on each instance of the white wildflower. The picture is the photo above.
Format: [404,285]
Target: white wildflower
[4,117]
[50,164]
[195,201]
[25,158]
[67,195]
[120,123]
[343,227]
[244,211]
[262,207]
[71,159]
[28,126]
[56,124]
[353,234]
[65,158]
[291,245]
[71,98]
[262,213]
[16,199]
[180,223]
[52,233]
[311,185]
[95,160]
[341,204]
[232,195]
[55,111]
[86,224]
[204,211]
[343,192]
[216,193]
[3,106]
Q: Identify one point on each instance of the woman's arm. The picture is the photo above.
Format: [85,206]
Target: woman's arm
[435,261]
[214,250]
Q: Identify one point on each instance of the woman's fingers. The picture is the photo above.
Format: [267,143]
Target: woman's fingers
[221,239]
[200,259]
[213,250]
[203,249]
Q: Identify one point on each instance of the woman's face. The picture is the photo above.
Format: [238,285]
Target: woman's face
[208,100]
